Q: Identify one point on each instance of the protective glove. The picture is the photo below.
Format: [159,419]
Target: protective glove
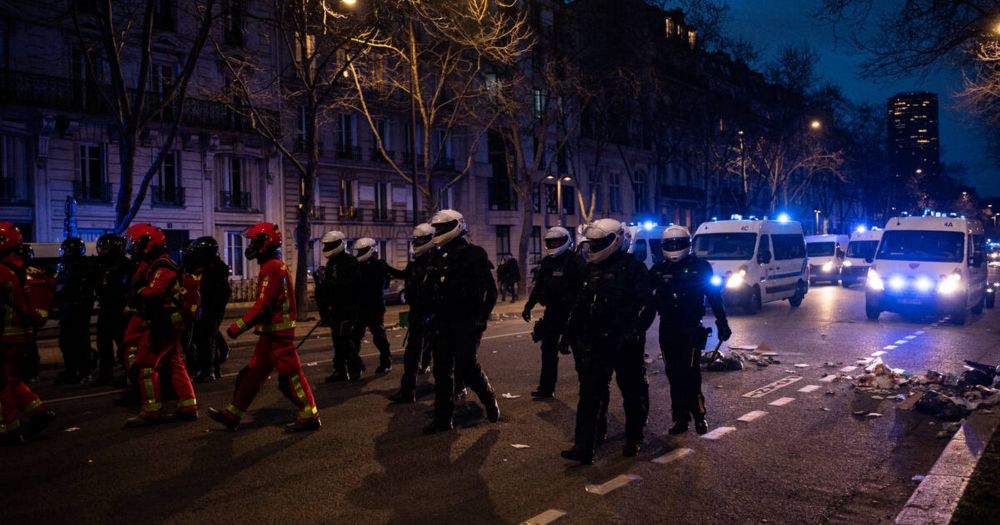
[724,332]
[233,331]
[526,314]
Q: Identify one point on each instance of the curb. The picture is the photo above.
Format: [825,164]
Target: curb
[936,498]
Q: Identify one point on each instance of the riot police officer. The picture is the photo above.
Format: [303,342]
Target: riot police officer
[608,326]
[464,294]
[337,295]
[557,280]
[201,259]
[374,277]
[681,284]
[418,286]
[75,297]
[112,294]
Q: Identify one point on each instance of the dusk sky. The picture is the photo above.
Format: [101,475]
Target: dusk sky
[775,24]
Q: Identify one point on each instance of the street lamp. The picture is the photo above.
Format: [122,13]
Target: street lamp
[349,3]
[559,199]
[815,124]
[816,212]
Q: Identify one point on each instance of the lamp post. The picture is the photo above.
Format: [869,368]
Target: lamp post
[816,212]
[559,199]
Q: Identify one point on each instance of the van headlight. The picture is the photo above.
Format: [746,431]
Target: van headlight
[848,264]
[736,280]
[828,267]
[874,281]
[950,284]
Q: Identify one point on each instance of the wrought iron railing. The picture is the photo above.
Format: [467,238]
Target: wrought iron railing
[168,196]
[8,190]
[92,192]
[349,152]
[234,200]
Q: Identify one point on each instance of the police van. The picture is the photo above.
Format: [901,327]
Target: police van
[929,263]
[860,254]
[755,261]
[826,256]
[643,241]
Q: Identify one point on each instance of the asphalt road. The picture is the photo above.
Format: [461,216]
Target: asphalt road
[806,461]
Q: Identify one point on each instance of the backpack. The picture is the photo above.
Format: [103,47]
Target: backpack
[185,292]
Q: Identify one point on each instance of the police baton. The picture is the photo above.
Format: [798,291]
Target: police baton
[306,338]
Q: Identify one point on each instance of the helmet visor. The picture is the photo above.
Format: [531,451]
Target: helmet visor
[364,251]
[422,240]
[676,244]
[442,228]
[599,245]
[555,242]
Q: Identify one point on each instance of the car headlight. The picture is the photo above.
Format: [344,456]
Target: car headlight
[736,280]
[848,264]
[874,281]
[923,284]
[950,284]
[827,267]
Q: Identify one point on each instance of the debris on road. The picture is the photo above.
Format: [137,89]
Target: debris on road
[72,429]
[508,395]
[519,445]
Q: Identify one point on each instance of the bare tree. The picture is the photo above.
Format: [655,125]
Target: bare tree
[315,42]
[114,35]
[430,58]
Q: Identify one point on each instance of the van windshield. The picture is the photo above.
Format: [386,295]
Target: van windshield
[920,245]
[725,246]
[820,249]
[862,249]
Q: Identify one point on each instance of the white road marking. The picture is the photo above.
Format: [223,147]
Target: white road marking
[613,484]
[865,360]
[828,378]
[849,368]
[889,347]
[879,353]
[715,434]
[750,416]
[545,518]
[487,338]
[781,401]
[672,456]
[901,342]
[767,389]
[809,388]
[919,332]
[910,337]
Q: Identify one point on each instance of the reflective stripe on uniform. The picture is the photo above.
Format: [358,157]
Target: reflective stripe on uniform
[286,309]
[233,411]
[241,325]
[187,402]
[300,393]
[32,406]
[308,413]
[147,380]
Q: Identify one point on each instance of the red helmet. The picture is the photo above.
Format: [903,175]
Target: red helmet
[265,239]
[145,241]
[10,237]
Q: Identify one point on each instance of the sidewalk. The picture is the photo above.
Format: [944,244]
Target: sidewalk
[48,345]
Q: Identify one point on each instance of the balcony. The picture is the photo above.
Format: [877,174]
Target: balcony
[376,215]
[377,155]
[168,196]
[92,193]
[234,200]
[318,213]
[63,94]
[349,152]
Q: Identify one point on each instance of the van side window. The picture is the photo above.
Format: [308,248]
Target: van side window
[656,251]
[978,244]
[788,246]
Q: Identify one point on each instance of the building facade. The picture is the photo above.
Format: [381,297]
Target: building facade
[914,148]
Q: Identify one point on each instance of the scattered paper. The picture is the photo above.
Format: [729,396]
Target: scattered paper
[873,414]
[801,365]
[312,363]
[508,395]
[918,477]
[519,445]
[72,429]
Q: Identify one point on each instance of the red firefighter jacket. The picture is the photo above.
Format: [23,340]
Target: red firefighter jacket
[274,310]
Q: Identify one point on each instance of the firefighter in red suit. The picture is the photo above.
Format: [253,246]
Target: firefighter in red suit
[158,308]
[273,318]
[19,319]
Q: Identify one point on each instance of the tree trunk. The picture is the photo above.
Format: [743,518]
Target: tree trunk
[527,224]
[127,146]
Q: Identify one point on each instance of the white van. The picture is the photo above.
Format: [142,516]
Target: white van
[826,256]
[644,242]
[929,262]
[756,261]
[860,255]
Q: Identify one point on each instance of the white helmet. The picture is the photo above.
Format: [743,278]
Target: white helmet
[676,243]
[448,225]
[557,241]
[364,248]
[333,243]
[421,239]
[604,237]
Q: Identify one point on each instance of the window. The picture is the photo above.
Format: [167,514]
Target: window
[347,137]
[236,174]
[382,211]
[538,96]
[3,47]
[788,246]
[347,203]
[917,245]
[862,249]
[503,241]
[91,184]
[536,198]
[551,205]
[85,94]
[300,129]
[596,193]
[233,23]
[383,131]
[614,194]
[535,245]
[90,234]
[821,249]
[13,169]
[725,246]
[305,49]
[161,80]
[234,253]
[764,245]
[169,191]
[640,192]
[569,200]
[446,199]
[164,15]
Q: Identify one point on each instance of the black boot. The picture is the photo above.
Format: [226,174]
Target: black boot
[403,397]
[632,448]
[435,427]
[221,417]
[700,426]
[577,454]
[40,420]
[679,428]
[303,426]
[336,377]
[541,393]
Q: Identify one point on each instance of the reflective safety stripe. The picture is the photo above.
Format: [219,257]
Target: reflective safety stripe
[32,406]
[10,427]
[233,411]
[43,313]
[300,393]
[176,317]
[276,327]
[286,311]
[187,402]
[151,408]
[147,381]
[130,355]
[308,413]
[241,325]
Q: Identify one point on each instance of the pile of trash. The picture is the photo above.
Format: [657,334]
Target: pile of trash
[945,396]
[738,357]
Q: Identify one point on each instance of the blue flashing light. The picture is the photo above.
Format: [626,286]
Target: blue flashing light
[716,280]
[736,217]
[862,229]
[648,225]
[714,219]
[783,218]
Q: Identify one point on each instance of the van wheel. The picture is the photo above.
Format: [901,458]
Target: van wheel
[991,300]
[978,308]
[754,303]
[800,294]
[872,312]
